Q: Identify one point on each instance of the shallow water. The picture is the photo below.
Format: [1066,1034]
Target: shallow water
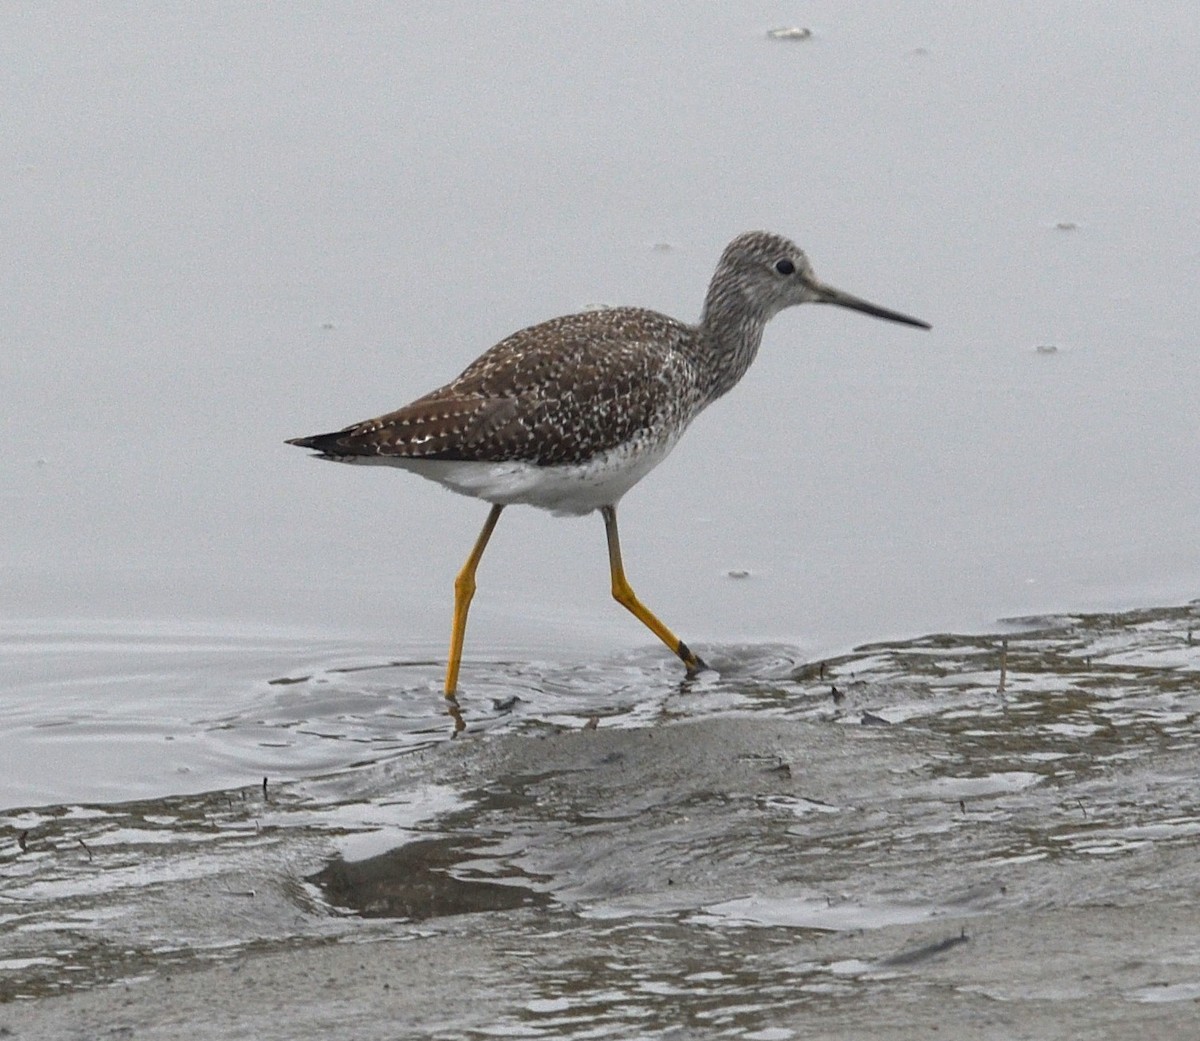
[232,228]
[707,843]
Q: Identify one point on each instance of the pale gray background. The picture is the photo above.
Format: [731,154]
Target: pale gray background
[229,224]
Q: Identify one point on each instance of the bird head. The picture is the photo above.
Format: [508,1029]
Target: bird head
[769,273]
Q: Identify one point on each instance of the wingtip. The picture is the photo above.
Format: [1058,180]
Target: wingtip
[322,444]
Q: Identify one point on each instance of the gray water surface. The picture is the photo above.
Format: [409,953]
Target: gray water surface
[229,227]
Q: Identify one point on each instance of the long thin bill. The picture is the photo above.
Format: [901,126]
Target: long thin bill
[829,295]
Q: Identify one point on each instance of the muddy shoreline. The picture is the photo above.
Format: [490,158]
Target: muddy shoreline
[980,864]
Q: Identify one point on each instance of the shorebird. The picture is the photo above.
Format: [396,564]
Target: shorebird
[569,414]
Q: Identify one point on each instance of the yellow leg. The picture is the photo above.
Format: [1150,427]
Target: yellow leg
[464,589]
[625,596]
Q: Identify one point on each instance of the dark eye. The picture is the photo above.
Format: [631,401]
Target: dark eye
[785,267]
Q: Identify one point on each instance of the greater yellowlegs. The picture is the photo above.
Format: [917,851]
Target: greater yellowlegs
[568,415]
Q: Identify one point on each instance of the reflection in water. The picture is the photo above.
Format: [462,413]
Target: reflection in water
[455,713]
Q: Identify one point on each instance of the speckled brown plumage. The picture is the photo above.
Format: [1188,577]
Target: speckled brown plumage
[597,398]
[556,393]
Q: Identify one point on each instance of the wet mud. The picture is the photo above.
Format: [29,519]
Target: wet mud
[986,836]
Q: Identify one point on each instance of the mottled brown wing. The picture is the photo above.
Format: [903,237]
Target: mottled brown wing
[585,383]
[559,392]
[430,428]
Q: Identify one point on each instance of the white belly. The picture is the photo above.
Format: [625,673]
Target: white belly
[568,490]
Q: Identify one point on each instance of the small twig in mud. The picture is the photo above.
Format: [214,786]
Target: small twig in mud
[23,840]
[85,848]
[1003,664]
[266,797]
[1082,808]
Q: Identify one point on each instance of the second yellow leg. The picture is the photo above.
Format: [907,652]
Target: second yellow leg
[624,595]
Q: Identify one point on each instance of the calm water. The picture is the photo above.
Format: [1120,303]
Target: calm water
[233,227]
[228,227]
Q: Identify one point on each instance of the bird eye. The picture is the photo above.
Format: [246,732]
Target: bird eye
[785,267]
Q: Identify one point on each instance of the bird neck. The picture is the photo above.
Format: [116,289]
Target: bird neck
[730,331]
